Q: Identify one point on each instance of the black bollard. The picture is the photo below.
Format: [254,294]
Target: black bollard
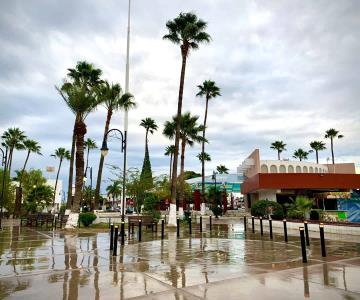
[122,233]
[322,239]
[303,247]
[111,236]
[178,227]
[132,228]
[115,240]
[128,229]
[210,223]
[270,228]
[261,227]
[190,230]
[200,223]
[162,229]
[253,224]
[244,223]
[285,231]
[139,230]
[306,233]
[55,223]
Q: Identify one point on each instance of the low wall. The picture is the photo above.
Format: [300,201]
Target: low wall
[313,227]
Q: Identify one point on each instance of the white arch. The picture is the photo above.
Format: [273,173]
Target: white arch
[282,169]
[316,170]
[305,169]
[273,169]
[311,170]
[298,169]
[264,169]
[291,169]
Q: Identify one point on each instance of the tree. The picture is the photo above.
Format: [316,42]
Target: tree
[209,90]
[317,146]
[190,175]
[30,178]
[169,151]
[80,95]
[332,134]
[188,31]
[203,156]
[39,198]
[279,146]
[13,139]
[222,169]
[32,147]
[61,154]
[9,191]
[113,98]
[146,173]
[89,144]
[189,134]
[301,154]
[114,190]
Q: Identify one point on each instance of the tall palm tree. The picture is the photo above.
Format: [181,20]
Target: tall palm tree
[187,31]
[189,134]
[301,154]
[279,146]
[113,98]
[32,147]
[61,154]
[80,95]
[222,169]
[332,134]
[89,144]
[317,146]
[204,156]
[169,151]
[146,174]
[114,190]
[209,90]
[13,139]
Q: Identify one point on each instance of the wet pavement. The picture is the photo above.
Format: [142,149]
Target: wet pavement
[226,263]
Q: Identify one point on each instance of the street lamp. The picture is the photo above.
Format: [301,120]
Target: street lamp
[213,177]
[3,163]
[104,151]
[91,181]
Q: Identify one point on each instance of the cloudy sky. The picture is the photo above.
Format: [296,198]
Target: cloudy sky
[288,70]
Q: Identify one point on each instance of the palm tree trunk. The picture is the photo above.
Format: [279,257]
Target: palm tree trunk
[79,165]
[172,214]
[10,161]
[332,150]
[23,170]
[278,155]
[317,156]
[56,181]
[203,151]
[171,159]
[87,158]
[101,162]
[71,171]
[181,179]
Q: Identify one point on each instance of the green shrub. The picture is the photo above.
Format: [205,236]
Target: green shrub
[87,218]
[217,211]
[266,208]
[151,203]
[299,207]
[295,214]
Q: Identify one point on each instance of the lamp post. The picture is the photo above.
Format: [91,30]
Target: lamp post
[213,177]
[91,180]
[3,163]
[104,150]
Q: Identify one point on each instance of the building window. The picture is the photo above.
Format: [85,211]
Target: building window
[298,169]
[273,169]
[282,169]
[290,169]
[264,169]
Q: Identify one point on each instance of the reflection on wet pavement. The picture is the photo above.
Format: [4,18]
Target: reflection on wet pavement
[224,263]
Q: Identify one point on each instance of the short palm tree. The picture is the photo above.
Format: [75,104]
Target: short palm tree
[203,156]
[13,139]
[146,173]
[190,133]
[61,154]
[222,169]
[169,151]
[89,144]
[80,95]
[209,90]
[279,146]
[113,98]
[301,154]
[114,190]
[317,146]
[32,147]
[332,134]
[187,31]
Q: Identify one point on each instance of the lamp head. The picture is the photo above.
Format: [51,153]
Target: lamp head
[104,149]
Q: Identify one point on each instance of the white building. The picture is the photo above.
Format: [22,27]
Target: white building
[58,192]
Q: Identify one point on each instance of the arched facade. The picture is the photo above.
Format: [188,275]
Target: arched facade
[285,166]
[282,169]
[264,169]
[273,169]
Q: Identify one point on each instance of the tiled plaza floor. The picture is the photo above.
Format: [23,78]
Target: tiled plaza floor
[224,264]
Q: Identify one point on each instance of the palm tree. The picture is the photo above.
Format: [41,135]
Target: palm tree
[113,98]
[189,134]
[61,154]
[30,146]
[13,139]
[169,151]
[317,146]
[80,95]
[210,91]
[331,134]
[301,154]
[89,144]
[279,146]
[222,169]
[188,31]
[114,190]
[203,156]
[146,174]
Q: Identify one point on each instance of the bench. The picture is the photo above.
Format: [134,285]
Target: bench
[41,219]
[147,221]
